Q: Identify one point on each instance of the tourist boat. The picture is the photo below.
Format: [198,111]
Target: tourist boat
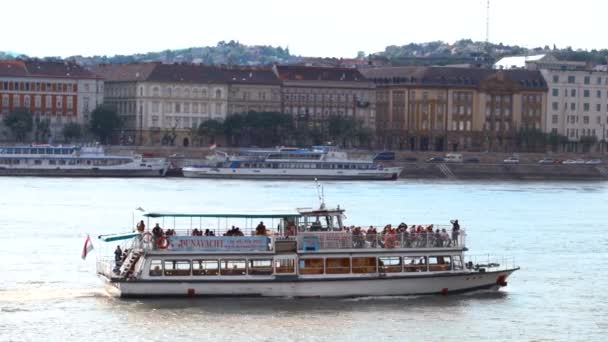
[310,254]
[319,162]
[89,161]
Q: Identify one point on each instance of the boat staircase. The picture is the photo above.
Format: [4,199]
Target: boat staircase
[603,170]
[446,171]
[127,268]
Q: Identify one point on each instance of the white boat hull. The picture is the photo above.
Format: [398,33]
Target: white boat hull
[387,173]
[445,283]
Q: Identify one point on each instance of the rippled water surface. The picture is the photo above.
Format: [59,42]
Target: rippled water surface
[557,232]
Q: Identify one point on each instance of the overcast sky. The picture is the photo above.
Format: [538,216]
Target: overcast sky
[309,28]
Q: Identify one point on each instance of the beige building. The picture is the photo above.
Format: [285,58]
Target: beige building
[447,108]
[313,94]
[164,103]
[252,90]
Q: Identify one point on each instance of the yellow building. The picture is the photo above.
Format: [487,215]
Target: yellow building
[448,108]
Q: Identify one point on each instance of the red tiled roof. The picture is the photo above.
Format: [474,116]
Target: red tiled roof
[42,68]
[251,76]
[124,72]
[451,76]
[189,73]
[307,73]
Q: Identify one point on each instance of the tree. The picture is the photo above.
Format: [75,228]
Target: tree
[43,129]
[210,128]
[104,121]
[342,128]
[72,131]
[20,122]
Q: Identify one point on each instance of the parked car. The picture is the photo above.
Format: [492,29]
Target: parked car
[573,161]
[472,160]
[546,161]
[593,161]
[511,160]
[435,160]
[385,156]
[453,158]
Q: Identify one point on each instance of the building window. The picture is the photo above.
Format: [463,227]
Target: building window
[555,78]
[572,106]
[573,92]
[555,92]
[554,119]
[586,107]
[585,120]
[571,79]
[587,79]
[554,105]
[218,94]
[598,107]
[586,93]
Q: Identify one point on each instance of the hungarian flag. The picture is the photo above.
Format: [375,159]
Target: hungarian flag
[88,247]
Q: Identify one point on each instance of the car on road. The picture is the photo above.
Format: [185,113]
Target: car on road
[472,160]
[435,160]
[573,161]
[546,161]
[511,160]
[593,161]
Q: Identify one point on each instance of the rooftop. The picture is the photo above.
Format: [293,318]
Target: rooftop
[308,73]
[43,68]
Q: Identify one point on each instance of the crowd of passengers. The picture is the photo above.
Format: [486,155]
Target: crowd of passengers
[404,236]
[389,237]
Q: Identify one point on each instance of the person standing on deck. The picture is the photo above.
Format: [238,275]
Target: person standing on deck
[118,256]
[455,232]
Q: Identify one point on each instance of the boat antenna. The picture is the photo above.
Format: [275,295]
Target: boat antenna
[320,194]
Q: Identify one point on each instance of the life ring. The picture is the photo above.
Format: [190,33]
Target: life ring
[162,242]
[146,237]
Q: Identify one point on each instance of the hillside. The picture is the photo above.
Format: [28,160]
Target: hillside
[437,52]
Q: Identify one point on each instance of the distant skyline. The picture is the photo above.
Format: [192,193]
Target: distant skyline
[312,28]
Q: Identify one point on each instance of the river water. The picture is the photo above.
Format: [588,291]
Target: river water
[557,233]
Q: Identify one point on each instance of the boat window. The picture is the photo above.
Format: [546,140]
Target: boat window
[156,268]
[37,162]
[457,262]
[284,265]
[311,266]
[233,267]
[389,264]
[205,267]
[260,266]
[414,263]
[364,265]
[337,265]
[177,267]
[61,161]
[52,162]
[440,263]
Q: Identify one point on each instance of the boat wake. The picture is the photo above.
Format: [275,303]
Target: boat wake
[47,293]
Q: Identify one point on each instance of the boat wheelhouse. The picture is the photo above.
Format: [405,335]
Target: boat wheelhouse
[320,162]
[48,160]
[305,253]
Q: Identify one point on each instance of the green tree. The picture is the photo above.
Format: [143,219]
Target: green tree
[342,128]
[43,129]
[72,131]
[20,122]
[210,128]
[104,122]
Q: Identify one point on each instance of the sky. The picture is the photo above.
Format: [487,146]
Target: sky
[309,28]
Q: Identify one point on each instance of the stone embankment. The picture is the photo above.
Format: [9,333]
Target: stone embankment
[490,165]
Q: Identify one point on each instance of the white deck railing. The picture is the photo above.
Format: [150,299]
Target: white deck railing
[349,240]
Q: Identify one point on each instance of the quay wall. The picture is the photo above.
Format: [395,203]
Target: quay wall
[491,165]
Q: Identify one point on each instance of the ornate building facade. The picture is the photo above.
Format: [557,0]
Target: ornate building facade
[62,92]
[448,108]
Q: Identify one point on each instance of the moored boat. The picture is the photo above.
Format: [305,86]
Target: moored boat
[72,161]
[310,254]
[319,162]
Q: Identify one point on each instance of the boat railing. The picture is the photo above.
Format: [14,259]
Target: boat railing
[105,266]
[490,263]
[313,241]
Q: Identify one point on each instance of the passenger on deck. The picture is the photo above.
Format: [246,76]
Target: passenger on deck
[170,232]
[358,239]
[455,232]
[260,229]
[157,231]
[437,238]
[207,232]
[141,226]
[195,232]
[370,236]
[445,238]
[118,256]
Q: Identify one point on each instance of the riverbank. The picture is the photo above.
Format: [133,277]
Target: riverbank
[490,165]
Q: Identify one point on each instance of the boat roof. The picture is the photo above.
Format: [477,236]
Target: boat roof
[274,214]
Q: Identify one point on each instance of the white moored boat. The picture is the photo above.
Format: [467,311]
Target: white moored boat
[311,254]
[87,161]
[320,162]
